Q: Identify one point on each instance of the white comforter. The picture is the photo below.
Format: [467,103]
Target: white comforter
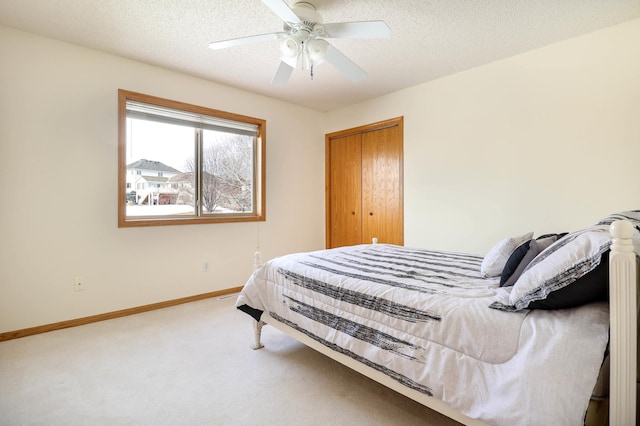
[423,318]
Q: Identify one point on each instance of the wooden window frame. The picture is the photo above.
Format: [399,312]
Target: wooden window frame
[259,175]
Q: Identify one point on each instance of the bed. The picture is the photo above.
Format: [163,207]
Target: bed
[517,336]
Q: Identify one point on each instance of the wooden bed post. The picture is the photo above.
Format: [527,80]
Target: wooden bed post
[623,318]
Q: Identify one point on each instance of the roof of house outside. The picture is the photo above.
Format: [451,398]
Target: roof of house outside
[190,177]
[144,164]
[183,177]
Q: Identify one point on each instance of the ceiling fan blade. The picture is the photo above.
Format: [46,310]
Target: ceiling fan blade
[282,74]
[243,40]
[344,64]
[280,8]
[364,29]
[291,61]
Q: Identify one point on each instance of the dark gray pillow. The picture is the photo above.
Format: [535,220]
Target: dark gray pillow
[535,247]
[513,262]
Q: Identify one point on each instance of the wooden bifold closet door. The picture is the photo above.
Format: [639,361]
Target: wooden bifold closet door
[364,197]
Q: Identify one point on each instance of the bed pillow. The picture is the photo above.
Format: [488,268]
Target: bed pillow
[535,247]
[514,261]
[632,216]
[561,265]
[516,257]
[495,260]
[591,287]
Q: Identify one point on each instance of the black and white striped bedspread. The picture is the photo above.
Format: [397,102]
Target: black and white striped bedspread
[423,318]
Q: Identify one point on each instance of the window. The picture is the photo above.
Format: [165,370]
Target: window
[188,164]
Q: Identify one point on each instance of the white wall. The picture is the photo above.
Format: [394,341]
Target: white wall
[530,143]
[58,188]
[527,143]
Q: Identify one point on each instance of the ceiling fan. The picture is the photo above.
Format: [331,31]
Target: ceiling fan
[303,44]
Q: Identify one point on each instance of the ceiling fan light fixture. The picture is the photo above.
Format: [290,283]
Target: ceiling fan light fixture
[289,47]
[316,48]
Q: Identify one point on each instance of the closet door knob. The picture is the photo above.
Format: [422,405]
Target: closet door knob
[370,213]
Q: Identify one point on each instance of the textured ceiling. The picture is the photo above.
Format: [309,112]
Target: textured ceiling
[429,38]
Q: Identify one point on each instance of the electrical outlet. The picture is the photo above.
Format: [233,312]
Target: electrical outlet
[78,284]
[205,266]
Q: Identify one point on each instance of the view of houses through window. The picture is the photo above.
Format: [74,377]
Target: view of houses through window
[161,172]
[185,165]
[157,158]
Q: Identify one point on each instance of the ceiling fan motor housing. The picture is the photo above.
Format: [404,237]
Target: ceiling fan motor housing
[307,14]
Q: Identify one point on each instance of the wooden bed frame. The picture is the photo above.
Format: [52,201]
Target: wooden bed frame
[623,290]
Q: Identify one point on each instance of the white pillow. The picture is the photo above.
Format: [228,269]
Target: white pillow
[493,263]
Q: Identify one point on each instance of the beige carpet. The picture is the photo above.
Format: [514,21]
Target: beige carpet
[188,365]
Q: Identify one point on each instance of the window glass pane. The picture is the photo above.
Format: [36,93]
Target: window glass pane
[227,178]
[160,178]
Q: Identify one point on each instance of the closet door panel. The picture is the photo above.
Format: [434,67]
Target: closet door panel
[345,186]
[382,203]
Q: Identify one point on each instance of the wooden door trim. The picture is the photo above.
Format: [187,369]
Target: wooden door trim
[397,121]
